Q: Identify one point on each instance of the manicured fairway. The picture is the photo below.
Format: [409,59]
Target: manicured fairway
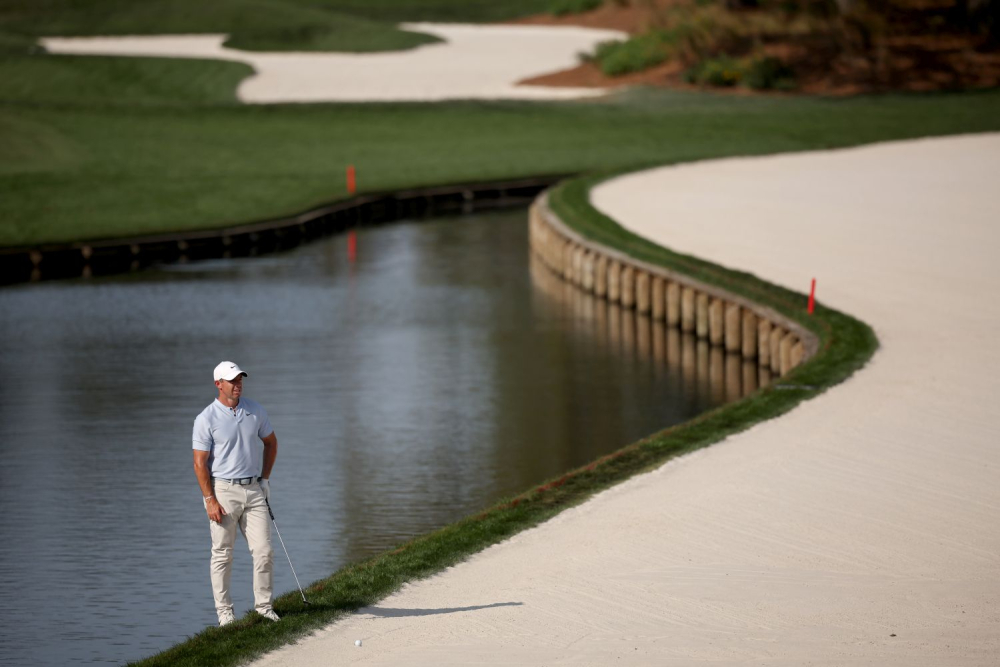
[153,160]
[95,147]
[261,25]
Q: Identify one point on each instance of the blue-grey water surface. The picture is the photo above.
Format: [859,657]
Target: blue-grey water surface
[436,373]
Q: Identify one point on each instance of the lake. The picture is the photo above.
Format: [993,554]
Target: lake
[438,370]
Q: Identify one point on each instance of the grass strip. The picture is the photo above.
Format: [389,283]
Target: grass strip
[102,81]
[846,344]
[74,172]
[255,25]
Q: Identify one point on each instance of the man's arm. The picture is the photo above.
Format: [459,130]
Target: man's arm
[270,454]
[212,506]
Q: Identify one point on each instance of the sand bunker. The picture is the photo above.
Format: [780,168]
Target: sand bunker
[861,528]
[474,62]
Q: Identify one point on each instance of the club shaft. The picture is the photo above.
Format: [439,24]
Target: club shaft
[283,548]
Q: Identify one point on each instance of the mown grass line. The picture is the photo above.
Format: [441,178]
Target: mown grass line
[74,168]
[256,25]
[71,172]
[109,82]
[846,344]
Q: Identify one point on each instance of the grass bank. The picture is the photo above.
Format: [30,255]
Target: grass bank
[256,25]
[846,344]
[97,148]
[167,155]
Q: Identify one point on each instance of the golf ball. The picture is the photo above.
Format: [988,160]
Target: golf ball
[357,642]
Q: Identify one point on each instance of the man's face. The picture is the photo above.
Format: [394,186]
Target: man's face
[231,389]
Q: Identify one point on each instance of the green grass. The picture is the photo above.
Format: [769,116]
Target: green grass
[637,53]
[101,147]
[846,345]
[87,171]
[253,24]
[756,72]
[96,148]
[95,81]
[259,25]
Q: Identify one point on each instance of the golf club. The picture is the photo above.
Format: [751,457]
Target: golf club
[304,600]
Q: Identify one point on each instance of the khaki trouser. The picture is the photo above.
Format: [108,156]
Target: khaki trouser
[245,507]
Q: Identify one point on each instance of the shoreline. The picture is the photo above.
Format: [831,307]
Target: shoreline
[842,533]
[458,609]
[846,344]
[112,256]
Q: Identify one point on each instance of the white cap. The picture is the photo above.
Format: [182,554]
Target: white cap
[227,370]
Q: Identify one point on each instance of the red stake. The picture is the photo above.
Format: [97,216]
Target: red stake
[812,297]
[352,185]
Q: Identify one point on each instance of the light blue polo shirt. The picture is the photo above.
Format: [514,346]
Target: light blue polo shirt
[233,438]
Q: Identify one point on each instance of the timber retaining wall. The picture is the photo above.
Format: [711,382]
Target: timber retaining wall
[709,312]
[120,255]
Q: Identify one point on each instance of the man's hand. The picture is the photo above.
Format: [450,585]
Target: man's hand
[214,509]
[265,486]
[212,506]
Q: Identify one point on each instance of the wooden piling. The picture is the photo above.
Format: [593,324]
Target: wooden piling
[733,329]
[614,282]
[701,315]
[687,309]
[642,293]
[777,333]
[716,321]
[628,286]
[764,343]
[601,276]
[567,262]
[749,335]
[658,304]
[587,268]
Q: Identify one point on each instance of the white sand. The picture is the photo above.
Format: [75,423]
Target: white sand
[474,62]
[870,511]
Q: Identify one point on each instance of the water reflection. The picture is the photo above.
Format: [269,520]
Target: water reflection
[413,386]
[709,371]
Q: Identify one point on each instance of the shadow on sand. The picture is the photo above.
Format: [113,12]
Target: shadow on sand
[387,612]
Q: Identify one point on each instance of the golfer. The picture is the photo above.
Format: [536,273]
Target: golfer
[233,470]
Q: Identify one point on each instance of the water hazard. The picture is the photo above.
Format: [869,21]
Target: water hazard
[437,372]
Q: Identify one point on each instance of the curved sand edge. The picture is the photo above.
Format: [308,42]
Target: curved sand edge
[868,512]
[474,62]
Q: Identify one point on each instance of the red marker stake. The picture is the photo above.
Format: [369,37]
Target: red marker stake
[352,185]
[812,297]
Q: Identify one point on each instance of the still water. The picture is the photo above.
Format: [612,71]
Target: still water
[435,373]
